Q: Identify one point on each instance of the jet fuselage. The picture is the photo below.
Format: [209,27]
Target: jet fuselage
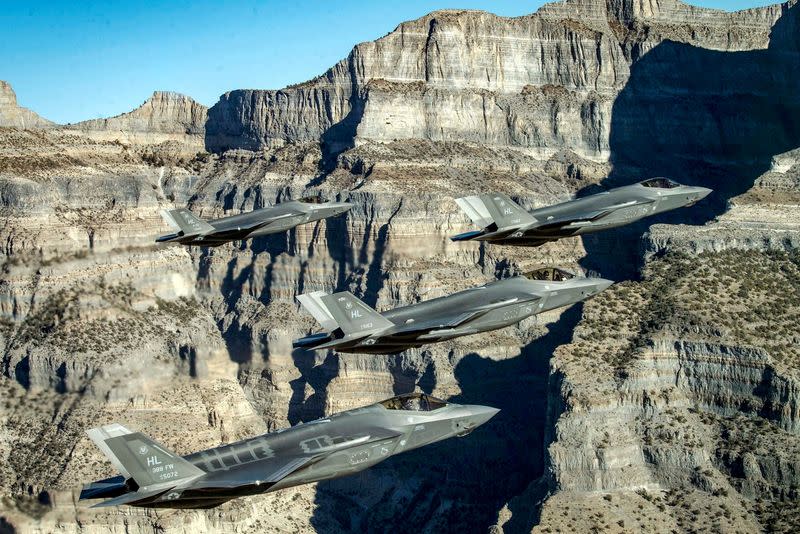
[331,447]
[505,222]
[263,221]
[481,309]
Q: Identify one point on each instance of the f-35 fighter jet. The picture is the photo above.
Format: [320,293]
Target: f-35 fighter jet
[342,444]
[272,220]
[504,221]
[352,326]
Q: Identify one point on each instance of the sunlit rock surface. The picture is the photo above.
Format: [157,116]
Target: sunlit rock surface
[667,402]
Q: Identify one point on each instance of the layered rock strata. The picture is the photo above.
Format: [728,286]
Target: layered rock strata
[165,116]
[669,401]
[13,115]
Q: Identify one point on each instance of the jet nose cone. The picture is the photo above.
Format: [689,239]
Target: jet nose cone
[592,286]
[601,284]
[342,207]
[696,194]
[481,414]
[703,192]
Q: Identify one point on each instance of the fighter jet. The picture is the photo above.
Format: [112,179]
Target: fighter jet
[352,326]
[504,221]
[193,231]
[331,447]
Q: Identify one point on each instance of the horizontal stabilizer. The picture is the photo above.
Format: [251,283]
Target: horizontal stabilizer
[129,498]
[347,339]
[312,341]
[467,236]
[101,489]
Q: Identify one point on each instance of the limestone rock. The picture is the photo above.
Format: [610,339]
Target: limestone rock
[165,116]
[12,115]
[669,401]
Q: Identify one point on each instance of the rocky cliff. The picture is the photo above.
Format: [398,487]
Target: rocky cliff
[15,116]
[165,116]
[535,83]
[667,403]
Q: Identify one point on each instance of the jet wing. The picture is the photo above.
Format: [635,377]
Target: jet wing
[455,321]
[434,324]
[284,464]
[246,229]
[279,471]
[576,220]
[271,220]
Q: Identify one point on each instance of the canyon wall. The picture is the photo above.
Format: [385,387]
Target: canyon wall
[13,115]
[164,117]
[671,398]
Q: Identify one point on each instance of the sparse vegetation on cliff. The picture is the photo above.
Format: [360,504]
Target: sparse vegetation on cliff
[745,298]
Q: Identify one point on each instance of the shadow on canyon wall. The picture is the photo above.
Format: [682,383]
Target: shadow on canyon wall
[237,335]
[225,129]
[317,372]
[702,117]
[317,376]
[461,482]
[342,135]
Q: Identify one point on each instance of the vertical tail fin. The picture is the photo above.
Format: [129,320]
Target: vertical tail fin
[185,221]
[494,211]
[343,310]
[150,465]
[312,302]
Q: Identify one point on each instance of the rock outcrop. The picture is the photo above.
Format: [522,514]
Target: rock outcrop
[14,116]
[670,400]
[535,83]
[165,116]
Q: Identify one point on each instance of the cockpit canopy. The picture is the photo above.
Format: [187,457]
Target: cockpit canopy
[550,274]
[417,402]
[312,200]
[660,183]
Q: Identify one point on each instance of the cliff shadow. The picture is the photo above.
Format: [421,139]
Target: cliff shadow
[375,275]
[461,483]
[342,135]
[338,138]
[224,128]
[238,335]
[302,409]
[702,117]
[337,237]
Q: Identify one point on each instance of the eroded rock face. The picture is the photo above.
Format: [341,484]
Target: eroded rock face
[536,82]
[667,400]
[14,116]
[450,76]
[165,116]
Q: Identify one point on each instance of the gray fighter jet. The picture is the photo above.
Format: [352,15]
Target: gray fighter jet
[504,221]
[272,220]
[339,445]
[352,326]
